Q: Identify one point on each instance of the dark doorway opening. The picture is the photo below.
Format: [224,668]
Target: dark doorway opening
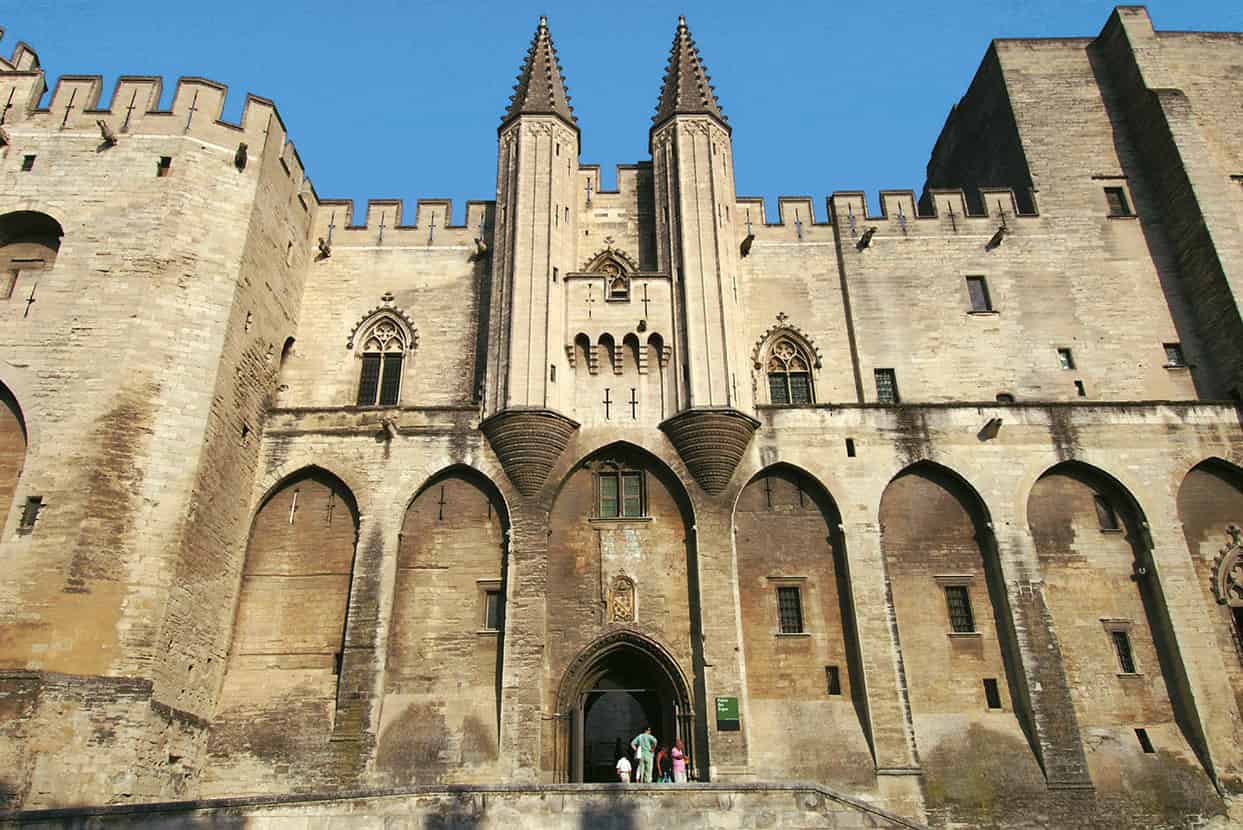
[622,691]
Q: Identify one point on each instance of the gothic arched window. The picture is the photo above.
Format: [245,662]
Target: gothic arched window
[789,374]
[383,349]
[616,283]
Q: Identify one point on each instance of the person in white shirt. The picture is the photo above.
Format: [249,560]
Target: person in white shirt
[623,769]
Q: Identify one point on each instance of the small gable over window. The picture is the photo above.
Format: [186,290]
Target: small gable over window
[381,340]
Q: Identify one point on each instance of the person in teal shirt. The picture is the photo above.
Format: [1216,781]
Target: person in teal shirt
[644,745]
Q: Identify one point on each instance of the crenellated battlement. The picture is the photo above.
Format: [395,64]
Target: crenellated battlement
[133,108]
[23,59]
[383,224]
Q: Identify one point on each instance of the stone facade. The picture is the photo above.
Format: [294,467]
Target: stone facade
[945,501]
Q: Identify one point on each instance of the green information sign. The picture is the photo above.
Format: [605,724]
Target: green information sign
[727,714]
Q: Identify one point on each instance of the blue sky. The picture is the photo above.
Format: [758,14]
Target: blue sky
[402,99]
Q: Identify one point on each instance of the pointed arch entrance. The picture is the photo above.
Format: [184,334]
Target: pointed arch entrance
[614,688]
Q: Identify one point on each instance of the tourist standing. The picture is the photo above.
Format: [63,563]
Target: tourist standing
[679,762]
[662,764]
[644,745]
[623,769]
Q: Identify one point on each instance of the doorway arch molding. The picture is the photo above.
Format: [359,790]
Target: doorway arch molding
[588,663]
[592,663]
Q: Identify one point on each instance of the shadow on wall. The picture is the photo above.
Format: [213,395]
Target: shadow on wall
[612,812]
[464,812]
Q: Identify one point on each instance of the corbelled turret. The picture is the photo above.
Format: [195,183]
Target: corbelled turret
[693,175]
[537,161]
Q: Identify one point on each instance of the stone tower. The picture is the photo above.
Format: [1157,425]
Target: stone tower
[537,163]
[694,181]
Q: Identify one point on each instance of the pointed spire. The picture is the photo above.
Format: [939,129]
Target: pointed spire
[686,90]
[541,87]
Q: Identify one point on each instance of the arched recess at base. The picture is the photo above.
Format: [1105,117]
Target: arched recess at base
[1108,606]
[280,688]
[963,672]
[12,450]
[616,686]
[1210,508]
[440,719]
[805,686]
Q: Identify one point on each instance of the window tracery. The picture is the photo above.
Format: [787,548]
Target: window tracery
[789,374]
[383,352]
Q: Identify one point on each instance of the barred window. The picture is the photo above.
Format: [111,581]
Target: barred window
[789,374]
[379,383]
[789,610]
[1122,647]
[959,603]
[886,386]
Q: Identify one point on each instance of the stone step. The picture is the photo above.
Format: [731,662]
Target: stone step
[551,807]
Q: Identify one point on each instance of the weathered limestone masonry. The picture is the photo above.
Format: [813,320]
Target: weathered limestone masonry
[938,509]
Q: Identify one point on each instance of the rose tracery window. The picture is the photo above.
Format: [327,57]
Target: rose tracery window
[383,349]
[789,374]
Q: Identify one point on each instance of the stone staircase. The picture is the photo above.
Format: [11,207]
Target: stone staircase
[556,807]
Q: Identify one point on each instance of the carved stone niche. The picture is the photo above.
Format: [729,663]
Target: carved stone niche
[528,442]
[1228,570]
[711,443]
[623,600]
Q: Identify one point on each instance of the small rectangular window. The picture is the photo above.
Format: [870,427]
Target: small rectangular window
[789,610]
[1174,355]
[164,167]
[959,603]
[886,386]
[492,610]
[833,678]
[369,380]
[1065,359]
[1118,205]
[1080,389]
[850,448]
[390,384]
[28,163]
[30,512]
[1105,515]
[977,290]
[552,372]
[991,693]
[554,274]
[1145,743]
[1122,646]
[632,494]
[608,496]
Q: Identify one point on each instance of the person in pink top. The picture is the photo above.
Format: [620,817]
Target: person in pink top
[678,753]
